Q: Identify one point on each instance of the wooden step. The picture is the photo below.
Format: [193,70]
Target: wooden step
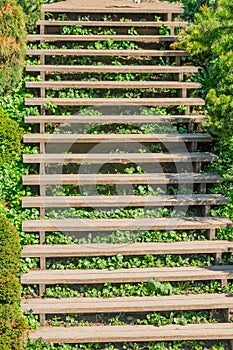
[128,304]
[56,85]
[104,225]
[99,158]
[116,138]
[93,52]
[103,179]
[155,24]
[176,101]
[103,249]
[132,275]
[116,6]
[133,333]
[92,37]
[108,119]
[49,69]
[123,201]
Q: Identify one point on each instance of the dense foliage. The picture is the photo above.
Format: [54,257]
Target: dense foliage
[191,6]
[10,249]
[210,39]
[12,44]
[12,321]
[10,138]
[32,11]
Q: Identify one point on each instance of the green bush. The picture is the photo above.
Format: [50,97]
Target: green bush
[210,39]
[12,44]
[191,6]
[32,11]
[12,322]
[10,247]
[12,327]
[10,139]
[10,288]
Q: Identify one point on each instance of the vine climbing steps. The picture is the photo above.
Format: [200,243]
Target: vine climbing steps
[113,96]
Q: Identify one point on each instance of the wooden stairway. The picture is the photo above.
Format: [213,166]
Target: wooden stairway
[71,154]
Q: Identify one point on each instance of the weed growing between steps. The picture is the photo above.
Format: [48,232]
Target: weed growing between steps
[155,319]
[40,345]
[150,288]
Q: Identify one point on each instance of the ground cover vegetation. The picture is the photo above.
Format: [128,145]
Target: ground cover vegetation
[217,68]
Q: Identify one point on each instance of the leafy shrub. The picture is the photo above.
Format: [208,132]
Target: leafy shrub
[10,246]
[12,44]
[191,6]
[12,327]
[32,11]
[9,288]
[12,322]
[10,138]
[210,39]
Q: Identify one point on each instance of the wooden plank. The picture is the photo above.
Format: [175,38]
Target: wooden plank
[103,249]
[96,138]
[132,275]
[103,179]
[104,334]
[176,101]
[122,201]
[111,69]
[108,119]
[98,158]
[91,52]
[56,85]
[96,225]
[116,6]
[128,304]
[92,37]
[144,24]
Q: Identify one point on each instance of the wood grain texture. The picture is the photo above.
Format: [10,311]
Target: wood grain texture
[102,334]
[154,248]
[103,179]
[95,225]
[132,275]
[122,201]
[119,138]
[90,52]
[111,69]
[98,158]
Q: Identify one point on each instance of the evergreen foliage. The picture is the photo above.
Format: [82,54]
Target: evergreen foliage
[12,44]
[32,11]
[10,139]
[12,321]
[10,247]
[191,6]
[12,327]
[210,39]
[9,288]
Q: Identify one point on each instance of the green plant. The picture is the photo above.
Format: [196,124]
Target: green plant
[12,44]
[10,249]
[12,327]
[12,322]
[10,138]
[209,38]
[9,288]
[192,6]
